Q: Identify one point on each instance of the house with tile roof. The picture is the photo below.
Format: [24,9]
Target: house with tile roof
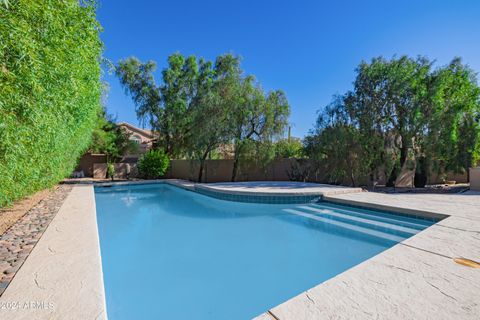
[144,138]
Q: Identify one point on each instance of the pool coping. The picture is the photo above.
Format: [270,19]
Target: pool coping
[254,195]
[382,286]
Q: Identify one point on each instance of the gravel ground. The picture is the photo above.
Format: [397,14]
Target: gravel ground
[10,215]
[23,233]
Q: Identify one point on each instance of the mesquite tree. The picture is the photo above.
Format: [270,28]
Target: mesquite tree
[401,110]
[200,105]
[257,118]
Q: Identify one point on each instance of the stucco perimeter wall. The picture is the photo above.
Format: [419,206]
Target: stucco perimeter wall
[122,170]
[475,179]
[88,161]
[221,170]
[277,170]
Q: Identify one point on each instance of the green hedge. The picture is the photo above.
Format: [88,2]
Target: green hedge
[50,91]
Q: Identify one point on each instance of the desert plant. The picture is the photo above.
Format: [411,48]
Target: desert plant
[153,164]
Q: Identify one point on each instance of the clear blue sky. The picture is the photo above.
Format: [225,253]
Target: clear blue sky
[309,49]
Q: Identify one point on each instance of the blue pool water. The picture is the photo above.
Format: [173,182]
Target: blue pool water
[170,254]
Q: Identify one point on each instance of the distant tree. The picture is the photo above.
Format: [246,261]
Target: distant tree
[257,117]
[200,105]
[401,110]
[289,148]
[387,99]
[452,139]
[216,94]
[335,146]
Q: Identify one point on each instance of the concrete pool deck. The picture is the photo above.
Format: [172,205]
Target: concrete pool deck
[62,277]
[415,279]
[276,188]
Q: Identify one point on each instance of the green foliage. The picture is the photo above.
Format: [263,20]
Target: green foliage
[257,118]
[210,107]
[49,91]
[289,148]
[453,139]
[201,105]
[110,170]
[153,164]
[400,111]
[112,140]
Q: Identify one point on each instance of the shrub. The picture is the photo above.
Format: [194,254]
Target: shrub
[110,170]
[153,164]
[50,91]
[289,148]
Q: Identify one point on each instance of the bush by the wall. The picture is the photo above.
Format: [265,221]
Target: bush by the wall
[49,91]
[153,164]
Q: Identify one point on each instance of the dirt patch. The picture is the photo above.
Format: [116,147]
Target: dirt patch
[10,215]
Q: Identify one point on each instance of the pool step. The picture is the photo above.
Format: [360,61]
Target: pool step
[373,223]
[379,216]
[371,232]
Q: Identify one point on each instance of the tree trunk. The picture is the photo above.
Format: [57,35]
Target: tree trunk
[200,172]
[403,154]
[351,169]
[352,178]
[403,157]
[392,177]
[235,168]
[202,164]
[236,158]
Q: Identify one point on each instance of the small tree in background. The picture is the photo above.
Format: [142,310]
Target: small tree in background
[289,148]
[153,164]
[216,94]
[257,118]
[111,140]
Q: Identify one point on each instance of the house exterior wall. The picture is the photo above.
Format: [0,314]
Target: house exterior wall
[144,138]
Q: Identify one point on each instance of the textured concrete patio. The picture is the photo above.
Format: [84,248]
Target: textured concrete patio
[276,188]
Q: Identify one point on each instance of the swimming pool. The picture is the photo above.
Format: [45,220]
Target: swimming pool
[168,253]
